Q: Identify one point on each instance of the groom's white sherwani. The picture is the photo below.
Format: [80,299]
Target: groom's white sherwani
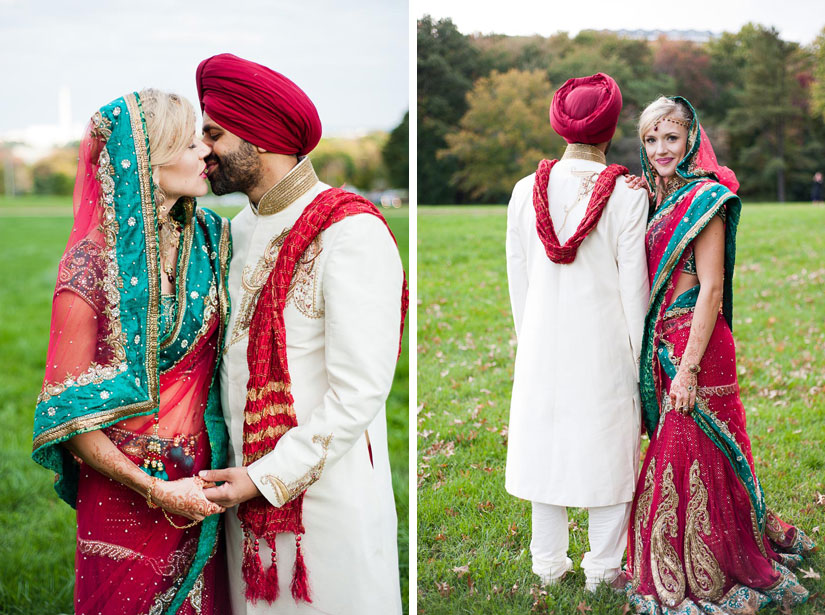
[575,411]
[342,324]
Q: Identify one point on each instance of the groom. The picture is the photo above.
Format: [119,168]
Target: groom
[315,283]
[578,288]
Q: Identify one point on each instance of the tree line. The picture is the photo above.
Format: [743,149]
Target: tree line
[483,105]
[376,161]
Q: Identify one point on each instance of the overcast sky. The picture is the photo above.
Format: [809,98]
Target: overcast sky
[796,20]
[351,57]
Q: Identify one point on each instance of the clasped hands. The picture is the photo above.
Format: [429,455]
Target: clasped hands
[197,497]
[184,497]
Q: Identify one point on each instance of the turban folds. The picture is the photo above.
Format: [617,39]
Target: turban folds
[258,105]
[586,109]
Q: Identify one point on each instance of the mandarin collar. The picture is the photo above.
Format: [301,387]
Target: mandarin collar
[583,151]
[289,189]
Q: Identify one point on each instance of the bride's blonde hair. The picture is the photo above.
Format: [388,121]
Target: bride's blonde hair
[170,124]
[658,110]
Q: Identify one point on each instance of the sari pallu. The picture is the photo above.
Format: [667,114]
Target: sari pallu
[701,539]
[115,361]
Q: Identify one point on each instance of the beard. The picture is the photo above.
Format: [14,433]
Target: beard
[238,171]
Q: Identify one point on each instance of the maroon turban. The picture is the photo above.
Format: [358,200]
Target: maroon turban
[586,110]
[258,105]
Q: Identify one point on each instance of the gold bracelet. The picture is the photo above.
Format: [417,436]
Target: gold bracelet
[152,483]
[176,526]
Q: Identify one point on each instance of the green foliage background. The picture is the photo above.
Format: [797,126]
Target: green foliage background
[761,100]
[473,537]
[37,542]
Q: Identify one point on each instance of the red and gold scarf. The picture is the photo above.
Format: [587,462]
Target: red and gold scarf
[269,411]
[544,223]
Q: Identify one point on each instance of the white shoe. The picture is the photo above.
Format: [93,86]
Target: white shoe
[617,583]
[550,580]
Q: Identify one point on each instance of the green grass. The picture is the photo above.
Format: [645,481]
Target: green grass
[473,537]
[37,541]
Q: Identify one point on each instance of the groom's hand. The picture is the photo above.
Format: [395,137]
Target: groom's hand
[237,486]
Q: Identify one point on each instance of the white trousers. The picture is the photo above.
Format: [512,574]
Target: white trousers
[607,531]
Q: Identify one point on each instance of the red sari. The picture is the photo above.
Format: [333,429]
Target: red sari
[701,539]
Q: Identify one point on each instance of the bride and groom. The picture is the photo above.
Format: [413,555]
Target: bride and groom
[622,301]
[193,369]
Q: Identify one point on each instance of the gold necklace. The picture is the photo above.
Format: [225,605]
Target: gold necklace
[169,239]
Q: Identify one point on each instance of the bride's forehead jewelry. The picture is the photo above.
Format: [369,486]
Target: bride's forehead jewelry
[672,120]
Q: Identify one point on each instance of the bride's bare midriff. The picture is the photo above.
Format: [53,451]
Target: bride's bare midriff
[684,283]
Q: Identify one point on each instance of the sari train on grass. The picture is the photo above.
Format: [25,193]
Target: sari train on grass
[701,538]
[122,357]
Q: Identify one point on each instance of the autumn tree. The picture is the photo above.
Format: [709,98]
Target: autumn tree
[503,135]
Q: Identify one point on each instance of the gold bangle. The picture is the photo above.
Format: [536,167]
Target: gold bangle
[152,483]
[176,526]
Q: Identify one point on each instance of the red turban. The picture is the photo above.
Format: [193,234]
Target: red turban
[586,110]
[258,105]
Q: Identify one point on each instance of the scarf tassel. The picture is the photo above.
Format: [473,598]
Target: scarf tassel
[252,569]
[300,584]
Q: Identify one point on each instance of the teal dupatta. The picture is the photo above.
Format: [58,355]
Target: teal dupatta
[121,244]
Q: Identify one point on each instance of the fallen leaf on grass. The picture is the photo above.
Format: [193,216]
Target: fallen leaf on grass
[444,589]
[461,570]
[810,573]
[583,608]
[440,537]
[485,506]
[820,498]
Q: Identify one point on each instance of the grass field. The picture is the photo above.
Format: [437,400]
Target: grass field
[473,538]
[38,530]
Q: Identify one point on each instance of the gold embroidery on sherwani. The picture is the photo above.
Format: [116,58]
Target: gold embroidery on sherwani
[300,179]
[302,289]
[704,576]
[583,151]
[640,520]
[668,578]
[290,491]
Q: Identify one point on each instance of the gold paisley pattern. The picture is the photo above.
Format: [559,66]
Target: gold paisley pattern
[303,289]
[640,520]
[668,578]
[174,566]
[704,576]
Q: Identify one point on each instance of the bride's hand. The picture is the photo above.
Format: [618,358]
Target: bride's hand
[683,391]
[184,497]
[635,182]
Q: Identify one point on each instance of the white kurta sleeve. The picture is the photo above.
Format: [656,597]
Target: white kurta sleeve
[632,262]
[361,285]
[516,258]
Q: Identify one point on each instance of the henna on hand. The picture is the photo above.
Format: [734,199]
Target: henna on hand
[185,497]
[683,391]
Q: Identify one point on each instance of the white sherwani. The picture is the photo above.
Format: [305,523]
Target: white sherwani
[342,325]
[575,411]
